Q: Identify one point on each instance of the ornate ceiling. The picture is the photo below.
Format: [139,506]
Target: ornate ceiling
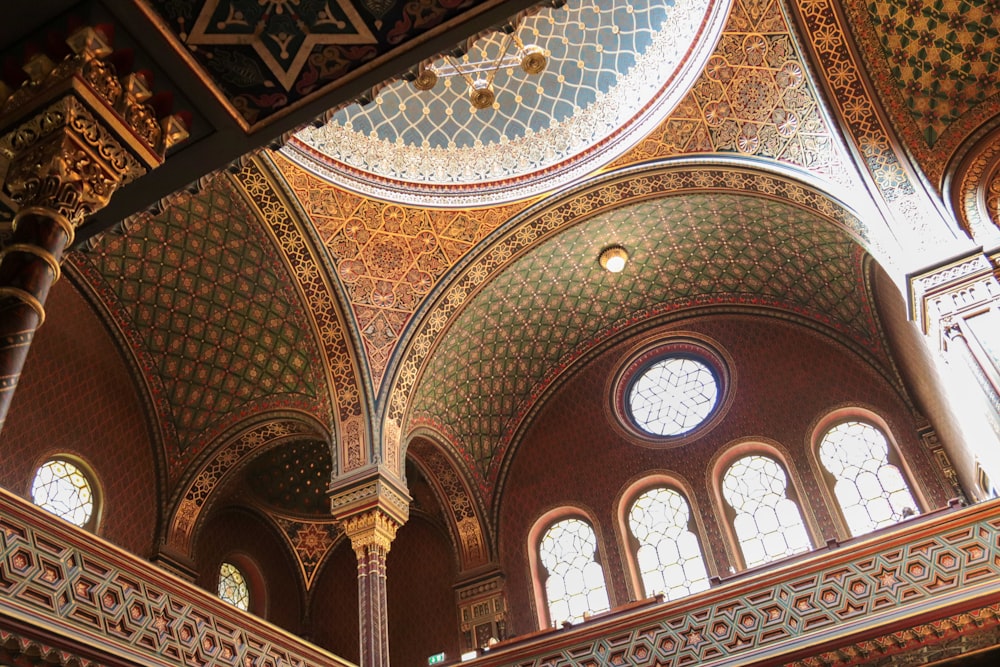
[545,310]
[388,272]
[613,70]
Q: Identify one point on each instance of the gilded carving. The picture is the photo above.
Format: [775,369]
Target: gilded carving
[65,160]
[371,529]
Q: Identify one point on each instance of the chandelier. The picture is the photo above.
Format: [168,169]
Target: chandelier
[478,74]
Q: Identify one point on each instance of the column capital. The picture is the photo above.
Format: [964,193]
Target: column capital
[77,130]
[371,506]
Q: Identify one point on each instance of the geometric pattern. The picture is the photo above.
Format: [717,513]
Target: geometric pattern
[312,280]
[208,302]
[524,326]
[388,257]
[754,99]
[311,541]
[765,618]
[91,594]
[943,57]
[268,56]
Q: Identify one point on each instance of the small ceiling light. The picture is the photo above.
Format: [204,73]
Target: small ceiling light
[613,258]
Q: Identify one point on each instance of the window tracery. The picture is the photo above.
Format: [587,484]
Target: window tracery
[66,490]
[233,587]
[668,558]
[870,490]
[574,585]
[768,524]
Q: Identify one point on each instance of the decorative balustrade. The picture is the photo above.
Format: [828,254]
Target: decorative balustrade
[927,589]
[70,598]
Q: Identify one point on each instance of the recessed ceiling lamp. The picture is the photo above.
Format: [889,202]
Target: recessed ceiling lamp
[613,258]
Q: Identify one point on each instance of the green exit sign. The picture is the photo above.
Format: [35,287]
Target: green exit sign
[436,659]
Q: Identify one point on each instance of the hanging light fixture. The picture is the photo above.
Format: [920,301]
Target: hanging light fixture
[479,74]
[613,258]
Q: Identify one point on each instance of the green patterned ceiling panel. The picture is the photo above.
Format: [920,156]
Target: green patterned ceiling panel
[211,312]
[553,304]
[943,56]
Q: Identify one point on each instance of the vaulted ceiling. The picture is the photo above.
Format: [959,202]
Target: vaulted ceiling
[364,280]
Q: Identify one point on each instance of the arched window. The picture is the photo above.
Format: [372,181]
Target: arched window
[574,581]
[233,587]
[67,490]
[668,557]
[768,523]
[872,492]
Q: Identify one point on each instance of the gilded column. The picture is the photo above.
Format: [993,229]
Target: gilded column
[70,136]
[371,507]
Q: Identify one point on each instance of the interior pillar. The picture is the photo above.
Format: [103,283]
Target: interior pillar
[371,506]
[73,133]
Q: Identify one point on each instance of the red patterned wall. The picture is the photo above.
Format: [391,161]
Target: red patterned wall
[235,531]
[787,378]
[421,571]
[334,604]
[76,396]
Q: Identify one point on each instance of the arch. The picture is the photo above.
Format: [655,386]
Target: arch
[416,384]
[239,574]
[233,451]
[627,541]
[972,187]
[801,539]
[267,189]
[514,239]
[463,506]
[840,473]
[539,573]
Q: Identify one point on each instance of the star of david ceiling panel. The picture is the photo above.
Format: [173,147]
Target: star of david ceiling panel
[209,309]
[937,67]
[265,56]
[550,306]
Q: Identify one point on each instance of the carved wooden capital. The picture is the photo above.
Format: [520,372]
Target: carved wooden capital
[77,130]
[370,530]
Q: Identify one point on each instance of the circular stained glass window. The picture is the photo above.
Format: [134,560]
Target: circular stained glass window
[64,489]
[672,396]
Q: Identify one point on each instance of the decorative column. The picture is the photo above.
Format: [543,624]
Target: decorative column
[371,506]
[70,135]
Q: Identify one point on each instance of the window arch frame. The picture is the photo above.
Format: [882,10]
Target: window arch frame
[623,504]
[538,529]
[827,480]
[93,524]
[717,469]
[254,578]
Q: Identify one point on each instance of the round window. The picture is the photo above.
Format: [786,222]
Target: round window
[672,396]
[63,488]
[671,390]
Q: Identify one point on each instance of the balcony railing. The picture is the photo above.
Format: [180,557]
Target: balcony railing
[68,597]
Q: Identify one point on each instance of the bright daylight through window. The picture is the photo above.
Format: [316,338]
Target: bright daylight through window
[63,489]
[575,583]
[233,586]
[673,396]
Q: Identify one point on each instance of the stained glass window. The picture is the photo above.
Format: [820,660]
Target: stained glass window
[871,491]
[768,523]
[669,556]
[673,396]
[63,489]
[575,583]
[233,586]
